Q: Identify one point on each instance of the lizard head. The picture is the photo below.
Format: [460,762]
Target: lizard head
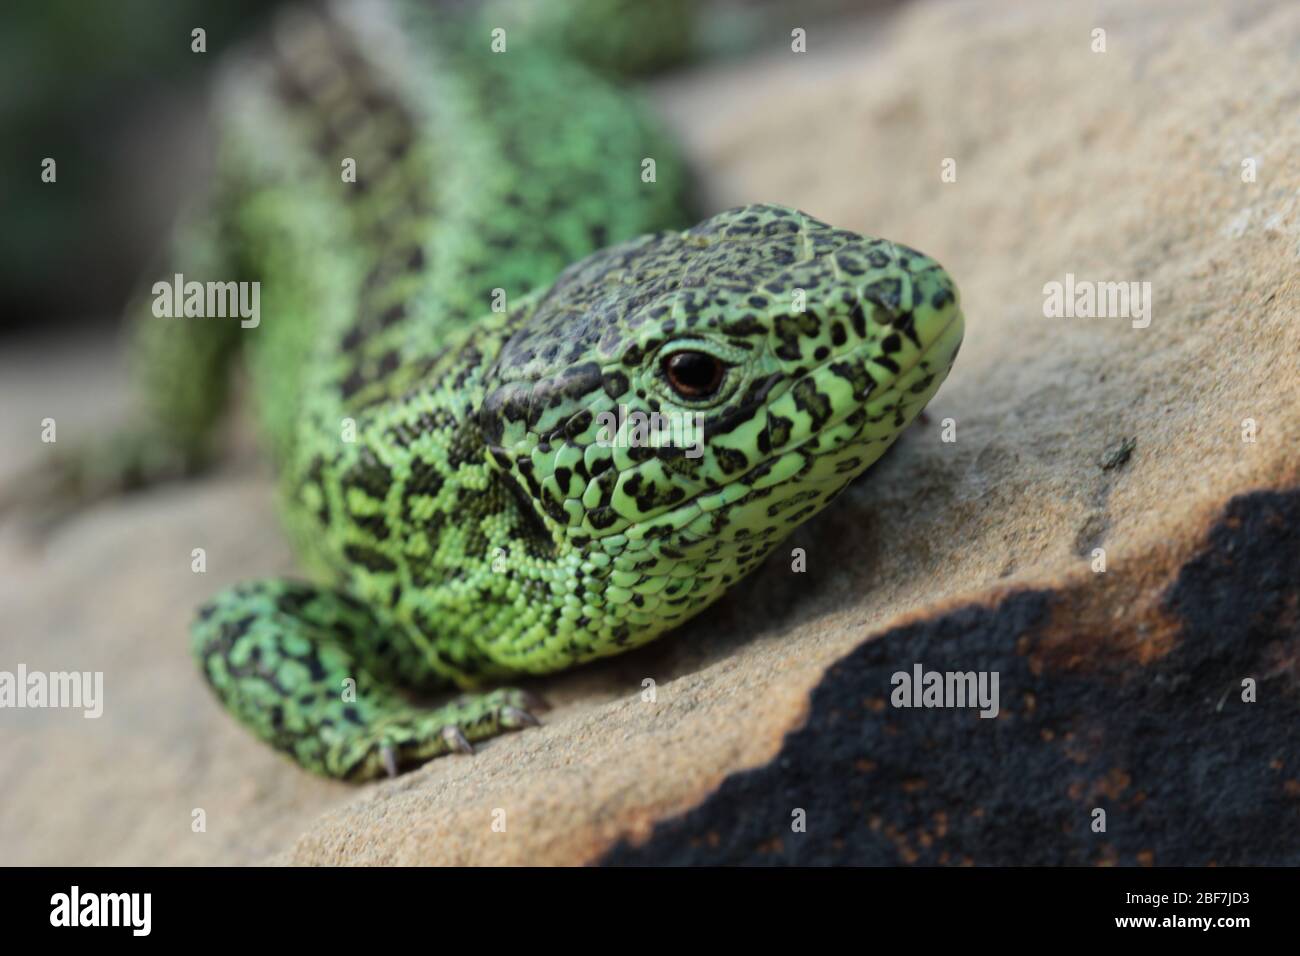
[679,403]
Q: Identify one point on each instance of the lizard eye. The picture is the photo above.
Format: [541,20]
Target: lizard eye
[694,375]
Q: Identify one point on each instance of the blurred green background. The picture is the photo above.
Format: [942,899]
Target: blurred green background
[111,90]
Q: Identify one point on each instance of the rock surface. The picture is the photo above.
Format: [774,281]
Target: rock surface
[1119,691]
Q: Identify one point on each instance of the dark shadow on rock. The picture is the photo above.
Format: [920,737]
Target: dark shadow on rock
[1185,770]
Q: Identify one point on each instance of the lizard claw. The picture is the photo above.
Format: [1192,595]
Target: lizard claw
[514,717]
[456,740]
[389,756]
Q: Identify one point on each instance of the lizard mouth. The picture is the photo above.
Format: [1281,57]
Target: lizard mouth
[903,394]
[907,392]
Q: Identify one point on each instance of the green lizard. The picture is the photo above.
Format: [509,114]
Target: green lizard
[436,400]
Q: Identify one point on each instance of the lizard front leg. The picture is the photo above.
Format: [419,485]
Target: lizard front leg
[315,674]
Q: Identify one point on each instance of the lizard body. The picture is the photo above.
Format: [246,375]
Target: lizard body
[445,468]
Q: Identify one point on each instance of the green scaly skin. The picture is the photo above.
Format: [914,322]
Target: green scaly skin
[444,471]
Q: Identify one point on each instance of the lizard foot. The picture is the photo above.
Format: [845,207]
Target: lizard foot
[406,740]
